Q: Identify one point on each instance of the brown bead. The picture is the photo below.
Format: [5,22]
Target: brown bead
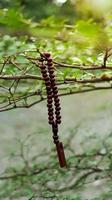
[50,64]
[57,112]
[55,137]
[58,108]
[48,87]
[51,72]
[50,96]
[51,121]
[55,128]
[55,88]
[49,60]
[58,121]
[50,113]
[55,92]
[52,76]
[50,109]
[57,100]
[51,69]
[47,83]
[46,79]
[55,96]
[49,92]
[53,81]
[46,54]
[49,105]
[49,101]
[51,118]
[57,104]
[43,67]
[45,76]
[58,117]
[44,71]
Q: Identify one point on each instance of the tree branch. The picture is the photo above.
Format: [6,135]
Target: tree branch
[7,107]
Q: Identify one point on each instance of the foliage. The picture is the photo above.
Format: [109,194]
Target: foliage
[21,84]
[32,179]
[38,9]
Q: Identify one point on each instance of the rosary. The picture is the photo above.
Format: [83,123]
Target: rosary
[53,103]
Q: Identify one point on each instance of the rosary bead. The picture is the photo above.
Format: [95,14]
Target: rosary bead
[52,76]
[46,54]
[46,79]
[58,121]
[53,80]
[57,112]
[55,96]
[49,92]
[50,64]
[58,108]
[49,101]
[49,105]
[48,87]
[50,113]
[44,71]
[51,69]
[55,129]
[50,121]
[58,117]
[43,67]
[57,104]
[50,109]
[57,100]
[47,83]
[55,92]
[49,60]
[51,118]
[55,137]
[52,83]
[44,76]
[55,88]
[49,96]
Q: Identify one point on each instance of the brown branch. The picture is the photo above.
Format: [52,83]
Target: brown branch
[15,77]
[74,66]
[92,80]
[35,77]
[24,174]
[3,65]
[63,65]
[12,100]
[36,172]
[93,67]
[106,56]
[44,98]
